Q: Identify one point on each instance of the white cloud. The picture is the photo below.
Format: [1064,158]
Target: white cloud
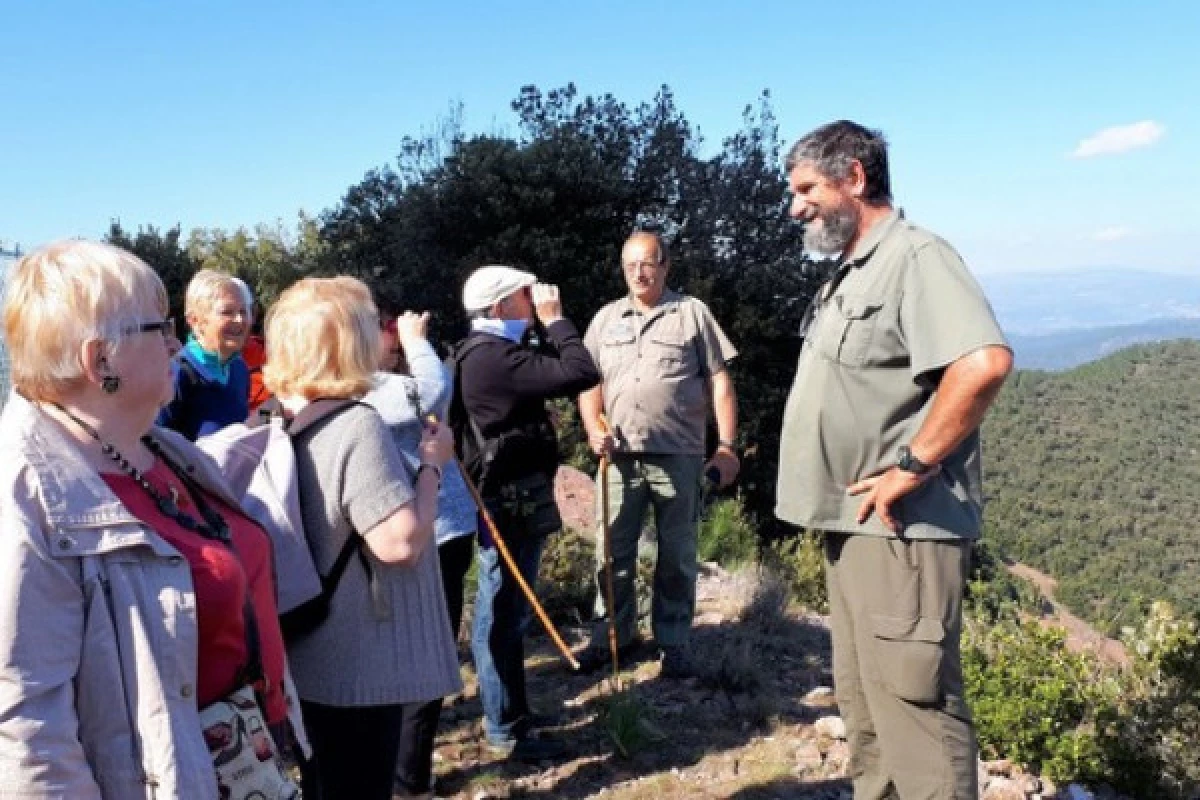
[1112,234]
[1120,139]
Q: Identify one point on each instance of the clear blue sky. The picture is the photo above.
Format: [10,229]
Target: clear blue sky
[223,114]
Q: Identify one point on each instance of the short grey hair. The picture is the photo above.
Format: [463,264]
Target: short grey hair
[204,291]
[642,233]
[247,294]
[832,148]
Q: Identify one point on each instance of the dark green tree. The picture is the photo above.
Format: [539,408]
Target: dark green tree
[166,252]
[560,200]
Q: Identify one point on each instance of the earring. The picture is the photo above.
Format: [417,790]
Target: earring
[109,384]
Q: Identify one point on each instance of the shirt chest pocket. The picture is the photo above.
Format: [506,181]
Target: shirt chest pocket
[673,355]
[848,335]
[617,347]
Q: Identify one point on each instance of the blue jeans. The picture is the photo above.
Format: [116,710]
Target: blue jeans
[502,616]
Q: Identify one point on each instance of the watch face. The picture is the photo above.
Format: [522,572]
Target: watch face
[908,463]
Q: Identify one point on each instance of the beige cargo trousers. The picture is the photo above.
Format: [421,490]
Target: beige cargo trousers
[896,618]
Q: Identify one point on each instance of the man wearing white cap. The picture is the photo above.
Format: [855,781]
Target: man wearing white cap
[508,446]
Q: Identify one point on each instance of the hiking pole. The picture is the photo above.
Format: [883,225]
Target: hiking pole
[605,527]
[501,547]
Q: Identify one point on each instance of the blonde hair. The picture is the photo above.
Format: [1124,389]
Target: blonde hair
[64,294]
[322,340]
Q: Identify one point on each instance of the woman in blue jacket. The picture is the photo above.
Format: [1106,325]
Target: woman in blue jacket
[212,382]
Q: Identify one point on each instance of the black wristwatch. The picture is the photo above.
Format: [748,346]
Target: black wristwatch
[910,463]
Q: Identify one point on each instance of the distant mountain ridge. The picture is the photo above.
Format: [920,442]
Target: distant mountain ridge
[1067,349]
[1059,320]
[1031,304]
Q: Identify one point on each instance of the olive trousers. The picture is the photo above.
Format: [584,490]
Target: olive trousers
[896,619]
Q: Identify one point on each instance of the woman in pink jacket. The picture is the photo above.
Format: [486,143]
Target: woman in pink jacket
[129,577]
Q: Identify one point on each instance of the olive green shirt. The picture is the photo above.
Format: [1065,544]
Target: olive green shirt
[899,311]
[657,369]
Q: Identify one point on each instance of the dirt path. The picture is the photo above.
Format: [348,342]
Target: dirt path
[1080,635]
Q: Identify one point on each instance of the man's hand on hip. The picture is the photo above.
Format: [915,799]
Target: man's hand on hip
[884,490]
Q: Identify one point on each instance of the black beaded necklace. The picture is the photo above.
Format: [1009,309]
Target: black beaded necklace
[213,526]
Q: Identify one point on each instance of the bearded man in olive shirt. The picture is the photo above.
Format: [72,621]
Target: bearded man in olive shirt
[662,357]
[902,357]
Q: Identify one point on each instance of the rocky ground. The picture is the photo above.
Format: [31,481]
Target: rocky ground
[757,721]
[695,738]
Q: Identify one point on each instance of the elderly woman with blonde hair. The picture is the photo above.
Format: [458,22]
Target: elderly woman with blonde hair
[212,381]
[130,582]
[385,647]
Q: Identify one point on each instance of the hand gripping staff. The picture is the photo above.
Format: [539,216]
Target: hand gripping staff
[502,548]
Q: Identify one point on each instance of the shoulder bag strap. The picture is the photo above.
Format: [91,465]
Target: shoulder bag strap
[316,411]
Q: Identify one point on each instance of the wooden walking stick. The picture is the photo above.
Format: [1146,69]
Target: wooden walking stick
[605,527]
[502,548]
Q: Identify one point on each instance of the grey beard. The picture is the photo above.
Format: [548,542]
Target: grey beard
[835,233]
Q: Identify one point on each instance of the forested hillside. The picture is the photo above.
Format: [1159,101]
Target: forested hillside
[1094,476]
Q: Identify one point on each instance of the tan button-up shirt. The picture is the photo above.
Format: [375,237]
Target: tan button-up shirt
[895,315]
[657,368]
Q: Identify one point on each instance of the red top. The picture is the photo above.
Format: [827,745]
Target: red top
[255,355]
[219,582]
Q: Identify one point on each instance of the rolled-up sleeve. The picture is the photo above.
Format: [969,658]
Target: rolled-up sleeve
[944,314]
[718,351]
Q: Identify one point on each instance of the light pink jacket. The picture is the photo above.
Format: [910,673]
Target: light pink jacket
[97,629]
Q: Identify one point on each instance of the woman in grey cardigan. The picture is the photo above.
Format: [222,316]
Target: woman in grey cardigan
[385,647]
[412,383]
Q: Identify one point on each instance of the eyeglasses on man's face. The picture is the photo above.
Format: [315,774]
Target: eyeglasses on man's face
[166,327]
[641,266]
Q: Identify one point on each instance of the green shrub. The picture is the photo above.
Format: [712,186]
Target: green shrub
[1073,718]
[1033,701]
[573,444]
[566,580]
[800,561]
[624,719]
[1152,735]
[727,534]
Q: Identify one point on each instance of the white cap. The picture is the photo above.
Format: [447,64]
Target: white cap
[491,284]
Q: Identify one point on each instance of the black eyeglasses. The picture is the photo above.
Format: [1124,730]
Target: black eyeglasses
[166,327]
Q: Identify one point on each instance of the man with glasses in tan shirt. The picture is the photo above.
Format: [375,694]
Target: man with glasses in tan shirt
[663,360]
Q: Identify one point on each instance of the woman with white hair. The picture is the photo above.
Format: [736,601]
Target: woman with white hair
[384,649]
[131,584]
[212,382]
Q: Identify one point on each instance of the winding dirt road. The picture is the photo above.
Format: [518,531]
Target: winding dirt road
[1080,635]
